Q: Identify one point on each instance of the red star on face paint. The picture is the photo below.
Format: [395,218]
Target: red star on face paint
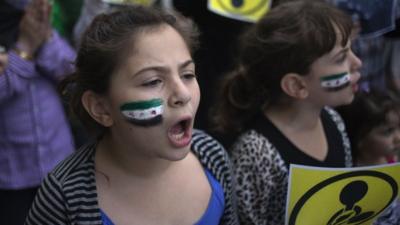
[153,112]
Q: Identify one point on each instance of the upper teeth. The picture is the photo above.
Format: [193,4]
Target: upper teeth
[178,136]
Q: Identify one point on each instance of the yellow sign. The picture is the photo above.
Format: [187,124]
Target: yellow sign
[245,10]
[127,2]
[340,196]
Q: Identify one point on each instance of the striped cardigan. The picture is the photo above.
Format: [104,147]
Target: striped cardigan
[68,194]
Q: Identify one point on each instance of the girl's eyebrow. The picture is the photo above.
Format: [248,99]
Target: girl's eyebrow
[162,68]
[150,68]
[185,64]
[343,51]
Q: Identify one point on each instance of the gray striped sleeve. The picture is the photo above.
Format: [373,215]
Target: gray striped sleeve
[48,207]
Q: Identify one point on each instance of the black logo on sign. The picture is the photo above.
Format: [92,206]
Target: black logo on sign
[351,213]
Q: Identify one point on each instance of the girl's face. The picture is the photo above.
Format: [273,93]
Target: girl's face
[154,96]
[333,77]
[383,140]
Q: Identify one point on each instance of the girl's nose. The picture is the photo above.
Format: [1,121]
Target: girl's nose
[355,66]
[355,62]
[180,94]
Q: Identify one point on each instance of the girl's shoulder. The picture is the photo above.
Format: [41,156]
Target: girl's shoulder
[335,116]
[254,147]
[341,128]
[212,155]
[253,142]
[82,160]
[69,190]
[206,148]
[337,120]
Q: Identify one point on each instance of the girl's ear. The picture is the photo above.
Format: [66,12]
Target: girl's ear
[97,108]
[294,85]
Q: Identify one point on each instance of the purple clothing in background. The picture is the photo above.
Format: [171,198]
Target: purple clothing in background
[376,17]
[34,131]
[19,4]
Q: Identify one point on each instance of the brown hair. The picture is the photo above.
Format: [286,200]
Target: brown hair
[103,47]
[288,39]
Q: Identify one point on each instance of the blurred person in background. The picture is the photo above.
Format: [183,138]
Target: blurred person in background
[34,132]
[373,124]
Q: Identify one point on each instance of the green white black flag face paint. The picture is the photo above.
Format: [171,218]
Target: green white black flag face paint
[335,82]
[143,113]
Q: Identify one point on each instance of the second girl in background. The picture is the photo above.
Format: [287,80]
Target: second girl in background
[294,64]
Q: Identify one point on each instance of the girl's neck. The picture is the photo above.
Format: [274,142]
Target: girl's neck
[295,116]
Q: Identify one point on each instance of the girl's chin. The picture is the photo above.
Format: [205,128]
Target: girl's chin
[180,154]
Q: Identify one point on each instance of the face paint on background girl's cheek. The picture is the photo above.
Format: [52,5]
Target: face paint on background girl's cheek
[335,82]
[143,113]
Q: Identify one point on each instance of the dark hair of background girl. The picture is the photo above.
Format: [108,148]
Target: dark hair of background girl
[105,43]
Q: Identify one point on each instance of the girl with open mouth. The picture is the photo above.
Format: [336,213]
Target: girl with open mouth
[135,88]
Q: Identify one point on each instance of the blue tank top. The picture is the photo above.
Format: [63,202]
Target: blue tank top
[215,208]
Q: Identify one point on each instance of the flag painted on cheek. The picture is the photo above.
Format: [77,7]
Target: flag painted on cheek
[143,113]
[335,82]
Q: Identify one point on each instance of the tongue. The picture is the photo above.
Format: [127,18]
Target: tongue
[177,129]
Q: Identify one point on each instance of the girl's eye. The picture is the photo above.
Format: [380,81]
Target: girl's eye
[189,76]
[151,83]
[342,58]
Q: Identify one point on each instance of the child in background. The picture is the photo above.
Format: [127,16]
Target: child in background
[135,83]
[373,125]
[294,64]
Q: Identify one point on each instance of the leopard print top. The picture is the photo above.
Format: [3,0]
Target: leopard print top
[262,174]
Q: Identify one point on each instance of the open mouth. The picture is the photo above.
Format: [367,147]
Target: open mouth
[180,133]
